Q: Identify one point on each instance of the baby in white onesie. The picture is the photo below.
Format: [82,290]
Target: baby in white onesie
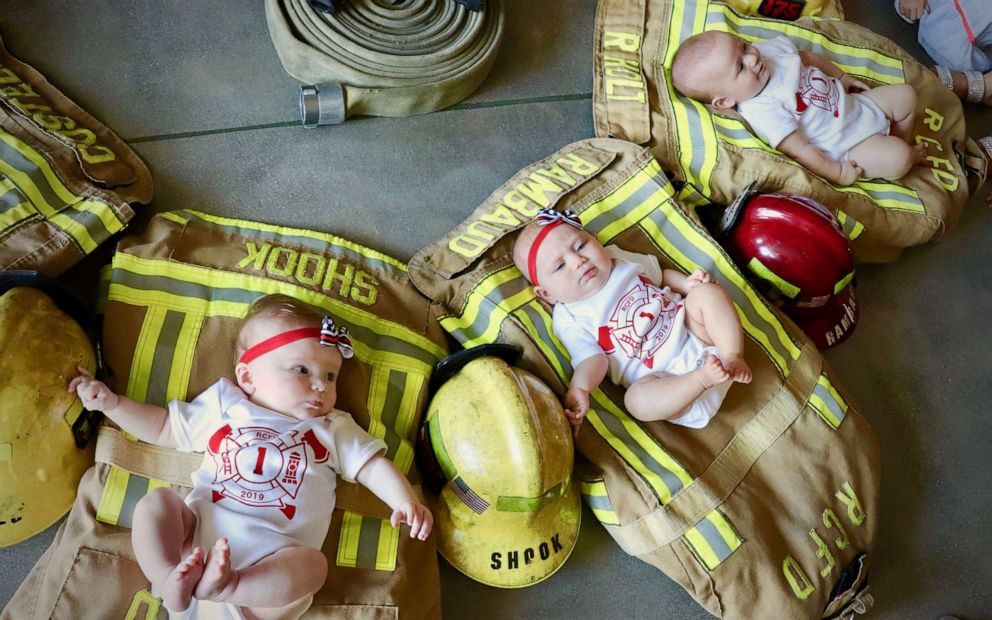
[246,541]
[798,102]
[674,341]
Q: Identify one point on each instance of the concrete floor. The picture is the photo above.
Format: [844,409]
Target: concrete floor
[197,89]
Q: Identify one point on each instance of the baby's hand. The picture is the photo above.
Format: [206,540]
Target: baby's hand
[417,516]
[697,277]
[853,85]
[913,9]
[96,396]
[849,173]
[576,406]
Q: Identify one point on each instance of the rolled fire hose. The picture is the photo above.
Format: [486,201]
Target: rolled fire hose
[376,58]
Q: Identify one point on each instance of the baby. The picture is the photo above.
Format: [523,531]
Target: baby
[274,445]
[797,102]
[618,313]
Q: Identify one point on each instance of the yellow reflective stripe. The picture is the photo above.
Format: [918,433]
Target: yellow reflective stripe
[725,529]
[351,530]
[550,357]
[73,228]
[843,282]
[606,517]
[112,498]
[101,210]
[642,210]
[738,127]
[723,16]
[212,278]
[144,352]
[823,408]
[14,215]
[886,195]
[182,359]
[598,501]
[701,549]
[633,429]
[298,232]
[174,216]
[690,197]
[761,270]
[851,226]
[388,546]
[729,271]
[689,113]
[156,484]
[644,176]
[415,378]
[77,231]
[644,441]
[712,540]
[497,312]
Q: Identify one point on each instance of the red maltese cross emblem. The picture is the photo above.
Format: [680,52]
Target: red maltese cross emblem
[260,468]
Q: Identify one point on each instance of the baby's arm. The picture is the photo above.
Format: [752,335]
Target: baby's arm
[586,377]
[148,423]
[381,477]
[796,146]
[824,64]
[681,283]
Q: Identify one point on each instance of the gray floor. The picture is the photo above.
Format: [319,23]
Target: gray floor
[197,89]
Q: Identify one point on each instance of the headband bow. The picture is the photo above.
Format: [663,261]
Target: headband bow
[545,217]
[548,220]
[330,335]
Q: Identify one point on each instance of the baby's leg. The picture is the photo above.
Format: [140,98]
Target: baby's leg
[711,316]
[886,157]
[663,397]
[271,587]
[898,101]
[162,535]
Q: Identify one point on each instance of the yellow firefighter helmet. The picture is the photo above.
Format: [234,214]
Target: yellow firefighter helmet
[40,463]
[508,512]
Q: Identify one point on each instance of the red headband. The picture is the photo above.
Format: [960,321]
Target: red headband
[328,334]
[548,219]
[532,255]
[270,344]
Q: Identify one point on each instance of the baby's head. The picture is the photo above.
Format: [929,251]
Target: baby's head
[718,68]
[289,356]
[563,261]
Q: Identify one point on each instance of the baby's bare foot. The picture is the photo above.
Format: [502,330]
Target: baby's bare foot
[712,372]
[919,153]
[177,589]
[738,369]
[218,578]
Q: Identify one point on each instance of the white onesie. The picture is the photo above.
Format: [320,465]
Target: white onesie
[803,97]
[267,480]
[640,327]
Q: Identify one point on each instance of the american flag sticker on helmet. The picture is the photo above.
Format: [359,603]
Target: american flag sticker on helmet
[468,496]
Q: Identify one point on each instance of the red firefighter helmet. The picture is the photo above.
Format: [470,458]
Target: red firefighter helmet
[798,254]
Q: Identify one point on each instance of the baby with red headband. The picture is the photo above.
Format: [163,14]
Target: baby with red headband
[674,341]
[248,536]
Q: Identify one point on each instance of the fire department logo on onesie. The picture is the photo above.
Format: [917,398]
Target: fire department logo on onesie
[641,321]
[258,467]
[818,92]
